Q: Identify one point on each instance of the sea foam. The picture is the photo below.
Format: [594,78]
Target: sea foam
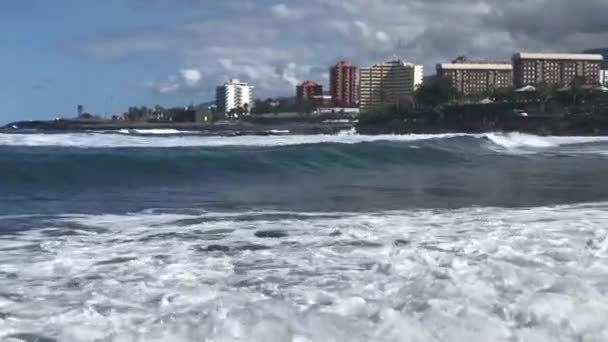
[476,274]
[513,142]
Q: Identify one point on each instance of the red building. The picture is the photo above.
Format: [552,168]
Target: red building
[308,90]
[343,84]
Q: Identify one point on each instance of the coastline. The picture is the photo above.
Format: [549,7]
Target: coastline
[371,125]
[229,127]
[430,123]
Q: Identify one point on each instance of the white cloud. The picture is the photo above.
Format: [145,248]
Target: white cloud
[283,12]
[188,79]
[162,87]
[279,45]
[226,63]
[382,37]
[191,77]
[280,11]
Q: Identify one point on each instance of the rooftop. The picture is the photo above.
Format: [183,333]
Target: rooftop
[475,66]
[344,63]
[600,51]
[236,81]
[393,62]
[560,56]
[309,83]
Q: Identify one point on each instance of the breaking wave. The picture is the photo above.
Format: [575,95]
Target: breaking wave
[169,138]
[152,131]
[84,158]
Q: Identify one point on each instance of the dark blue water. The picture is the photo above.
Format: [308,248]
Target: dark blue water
[437,173]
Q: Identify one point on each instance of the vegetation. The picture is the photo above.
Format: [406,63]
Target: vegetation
[160,114]
[86,116]
[438,107]
[239,111]
[265,106]
[436,91]
[283,105]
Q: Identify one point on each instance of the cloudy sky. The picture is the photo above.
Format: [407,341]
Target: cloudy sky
[107,55]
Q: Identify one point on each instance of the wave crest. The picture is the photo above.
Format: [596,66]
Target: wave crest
[173,138]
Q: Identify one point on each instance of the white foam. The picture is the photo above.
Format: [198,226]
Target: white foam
[159,131]
[481,274]
[521,141]
[92,140]
[512,143]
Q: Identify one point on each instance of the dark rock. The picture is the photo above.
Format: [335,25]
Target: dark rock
[162,257]
[364,244]
[252,248]
[401,243]
[10,275]
[11,296]
[119,260]
[217,248]
[591,245]
[270,234]
[74,284]
[30,338]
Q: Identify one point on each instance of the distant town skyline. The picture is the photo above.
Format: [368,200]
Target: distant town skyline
[113,54]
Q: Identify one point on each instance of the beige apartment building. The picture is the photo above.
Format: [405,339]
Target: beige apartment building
[388,83]
[477,77]
[555,68]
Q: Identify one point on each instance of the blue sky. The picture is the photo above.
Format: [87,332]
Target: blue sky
[110,54]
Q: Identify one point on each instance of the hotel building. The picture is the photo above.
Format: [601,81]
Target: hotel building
[555,68]
[388,83]
[308,90]
[477,77]
[604,67]
[343,84]
[233,94]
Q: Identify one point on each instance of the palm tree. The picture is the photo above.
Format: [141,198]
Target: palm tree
[576,87]
[545,93]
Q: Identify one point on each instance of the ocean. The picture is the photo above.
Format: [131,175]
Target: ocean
[162,235]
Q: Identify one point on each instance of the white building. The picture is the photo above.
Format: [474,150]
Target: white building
[560,69]
[233,95]
[604,77]
[418,76]
[389,83]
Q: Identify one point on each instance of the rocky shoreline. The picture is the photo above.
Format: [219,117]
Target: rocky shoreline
[579,125]
[481,121]
[228,127]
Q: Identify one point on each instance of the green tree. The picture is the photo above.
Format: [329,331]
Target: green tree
[436,91]
[180,114]
[135,114]
[545,93]
[306,106]
[502,95]
[262,107]
[577,90]
[239,111]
